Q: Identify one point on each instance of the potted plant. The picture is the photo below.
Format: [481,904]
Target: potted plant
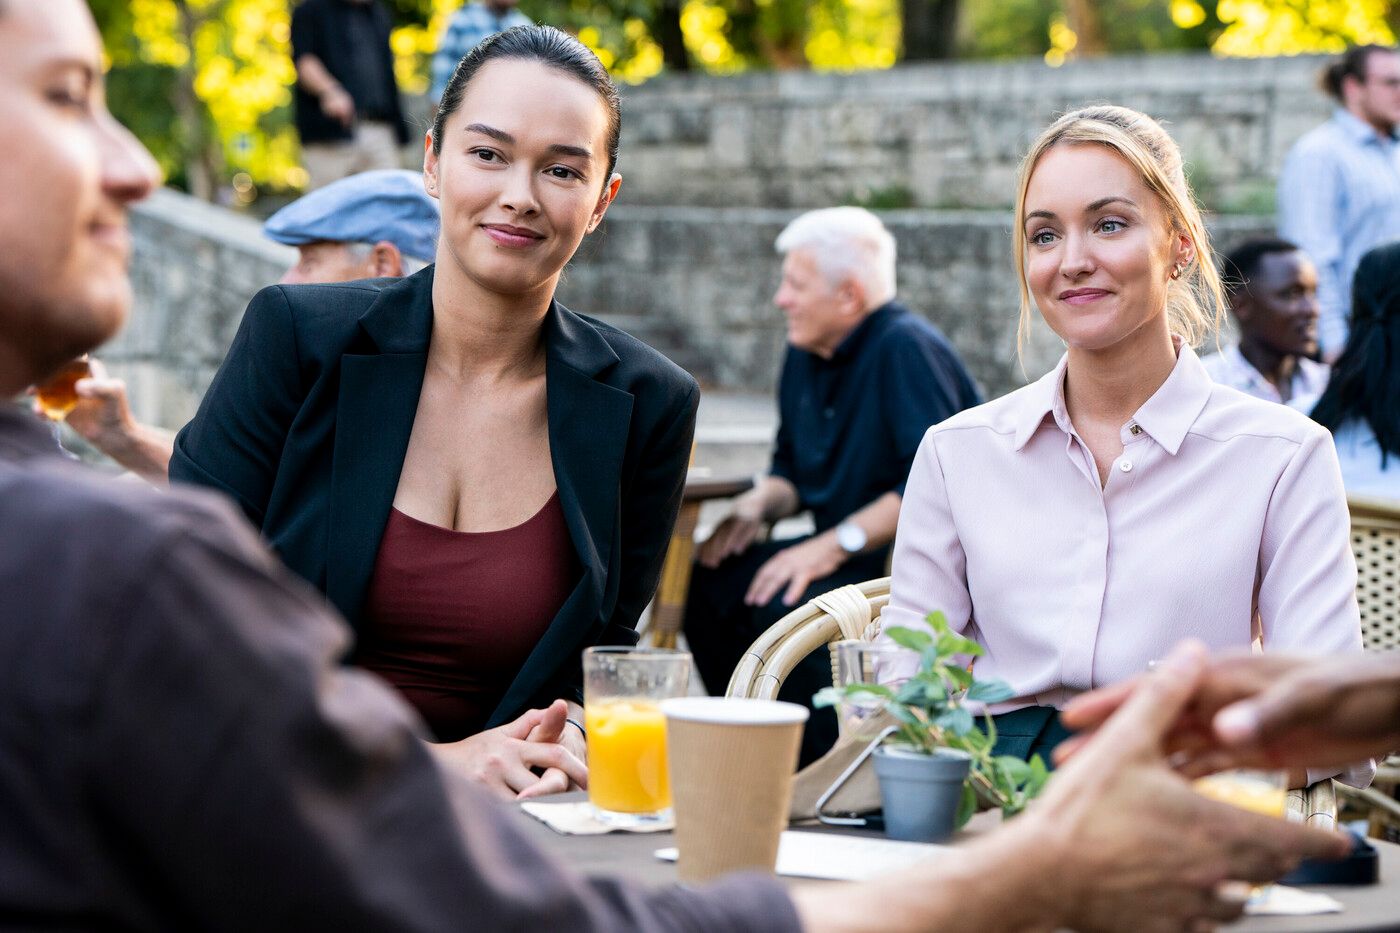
[936,763]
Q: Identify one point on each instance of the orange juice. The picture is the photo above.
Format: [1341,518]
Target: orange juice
[58,396]
[1246,793]
[627,755]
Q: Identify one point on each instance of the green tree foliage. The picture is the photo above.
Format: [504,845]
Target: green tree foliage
[206,84]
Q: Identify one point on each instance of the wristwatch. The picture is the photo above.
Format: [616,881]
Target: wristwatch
[851,537]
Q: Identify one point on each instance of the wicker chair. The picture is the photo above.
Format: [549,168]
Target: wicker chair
[844,613]
[1375,540]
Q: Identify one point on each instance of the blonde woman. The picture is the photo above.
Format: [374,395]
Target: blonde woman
[1079,527]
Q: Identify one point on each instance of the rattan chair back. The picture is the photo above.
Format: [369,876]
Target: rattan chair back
[1375,539]
[842,613]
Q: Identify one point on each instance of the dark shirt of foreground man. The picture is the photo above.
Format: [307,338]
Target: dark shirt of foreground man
[181,749]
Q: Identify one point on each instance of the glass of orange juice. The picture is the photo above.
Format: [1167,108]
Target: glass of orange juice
[1262,792]
[628,783]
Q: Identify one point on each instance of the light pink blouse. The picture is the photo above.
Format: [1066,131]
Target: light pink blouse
[1223,518]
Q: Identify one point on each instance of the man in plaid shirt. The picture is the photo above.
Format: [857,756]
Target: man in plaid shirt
[472,23]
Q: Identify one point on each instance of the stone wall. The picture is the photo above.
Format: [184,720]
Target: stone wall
[194,268]
[695,282]
[949,136]
[698,284]
[715,167]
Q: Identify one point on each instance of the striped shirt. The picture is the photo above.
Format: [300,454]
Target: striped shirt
[1339,196]
[465,30]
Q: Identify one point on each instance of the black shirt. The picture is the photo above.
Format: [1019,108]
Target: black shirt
[352,40]
[849,426]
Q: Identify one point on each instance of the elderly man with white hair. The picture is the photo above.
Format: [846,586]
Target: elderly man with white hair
[863,379]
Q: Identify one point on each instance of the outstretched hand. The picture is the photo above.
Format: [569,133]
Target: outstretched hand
[1268,711]
[1139,847]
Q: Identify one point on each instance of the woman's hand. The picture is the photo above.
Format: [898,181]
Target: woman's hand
[501,759]
[571,737]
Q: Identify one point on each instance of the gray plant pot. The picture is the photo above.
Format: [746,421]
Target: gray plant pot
[920,792]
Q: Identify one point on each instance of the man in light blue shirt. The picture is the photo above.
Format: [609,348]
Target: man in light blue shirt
[472,23]
[1339,193]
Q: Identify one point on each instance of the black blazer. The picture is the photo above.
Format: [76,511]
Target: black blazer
[307,421]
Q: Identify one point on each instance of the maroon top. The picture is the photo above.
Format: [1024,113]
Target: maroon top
[451,616]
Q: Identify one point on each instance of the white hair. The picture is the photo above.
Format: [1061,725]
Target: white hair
[360,252]
[846,243]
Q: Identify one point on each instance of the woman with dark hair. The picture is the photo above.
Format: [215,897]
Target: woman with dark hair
[480,479]
[1361,404]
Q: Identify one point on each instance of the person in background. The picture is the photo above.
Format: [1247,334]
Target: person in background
[377,224]
[862,380]
[1361,404]
[348,112]
[469,25]
[1271,287]
[1339,192]
[184,750]
[1081,526]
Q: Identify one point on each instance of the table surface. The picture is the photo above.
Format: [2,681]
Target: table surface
[702,485]
[1369,909]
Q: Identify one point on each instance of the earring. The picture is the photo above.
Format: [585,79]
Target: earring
[1176,271]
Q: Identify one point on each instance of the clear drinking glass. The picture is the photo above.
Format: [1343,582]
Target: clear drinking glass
[859,661]
[628,783]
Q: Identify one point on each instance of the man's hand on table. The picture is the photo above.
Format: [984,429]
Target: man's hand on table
[1117,841]
[1270,711]
[792,570]
[501,759]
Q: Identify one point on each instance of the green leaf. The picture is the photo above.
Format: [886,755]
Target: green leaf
[937,621]
[828,696]
[950,643]
[967,804]
[990,691]
[956,720]
[1039,775]
[959,676]
[1013,769]
[909,638]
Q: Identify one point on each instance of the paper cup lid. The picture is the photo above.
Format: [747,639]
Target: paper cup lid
[734,711]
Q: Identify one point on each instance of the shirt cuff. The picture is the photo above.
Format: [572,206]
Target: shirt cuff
[1357,775]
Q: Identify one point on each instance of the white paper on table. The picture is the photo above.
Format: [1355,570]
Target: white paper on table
[1277,900]
[837,857]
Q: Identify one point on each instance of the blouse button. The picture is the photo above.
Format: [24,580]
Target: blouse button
[1134,429]
[1126,466]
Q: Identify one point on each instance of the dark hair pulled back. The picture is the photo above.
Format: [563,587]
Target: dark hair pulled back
[1365,380]
[1350,64]
[544,44]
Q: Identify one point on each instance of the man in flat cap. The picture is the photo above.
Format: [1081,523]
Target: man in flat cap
[379,224]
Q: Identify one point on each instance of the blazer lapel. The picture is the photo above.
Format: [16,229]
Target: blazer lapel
[588,426]
[380,381]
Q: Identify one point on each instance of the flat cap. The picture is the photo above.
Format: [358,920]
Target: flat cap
[388,204]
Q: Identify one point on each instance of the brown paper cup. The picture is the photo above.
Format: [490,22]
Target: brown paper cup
[731,763]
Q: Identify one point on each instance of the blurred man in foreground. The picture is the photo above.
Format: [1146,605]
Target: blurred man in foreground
[183,750]
[379,224]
